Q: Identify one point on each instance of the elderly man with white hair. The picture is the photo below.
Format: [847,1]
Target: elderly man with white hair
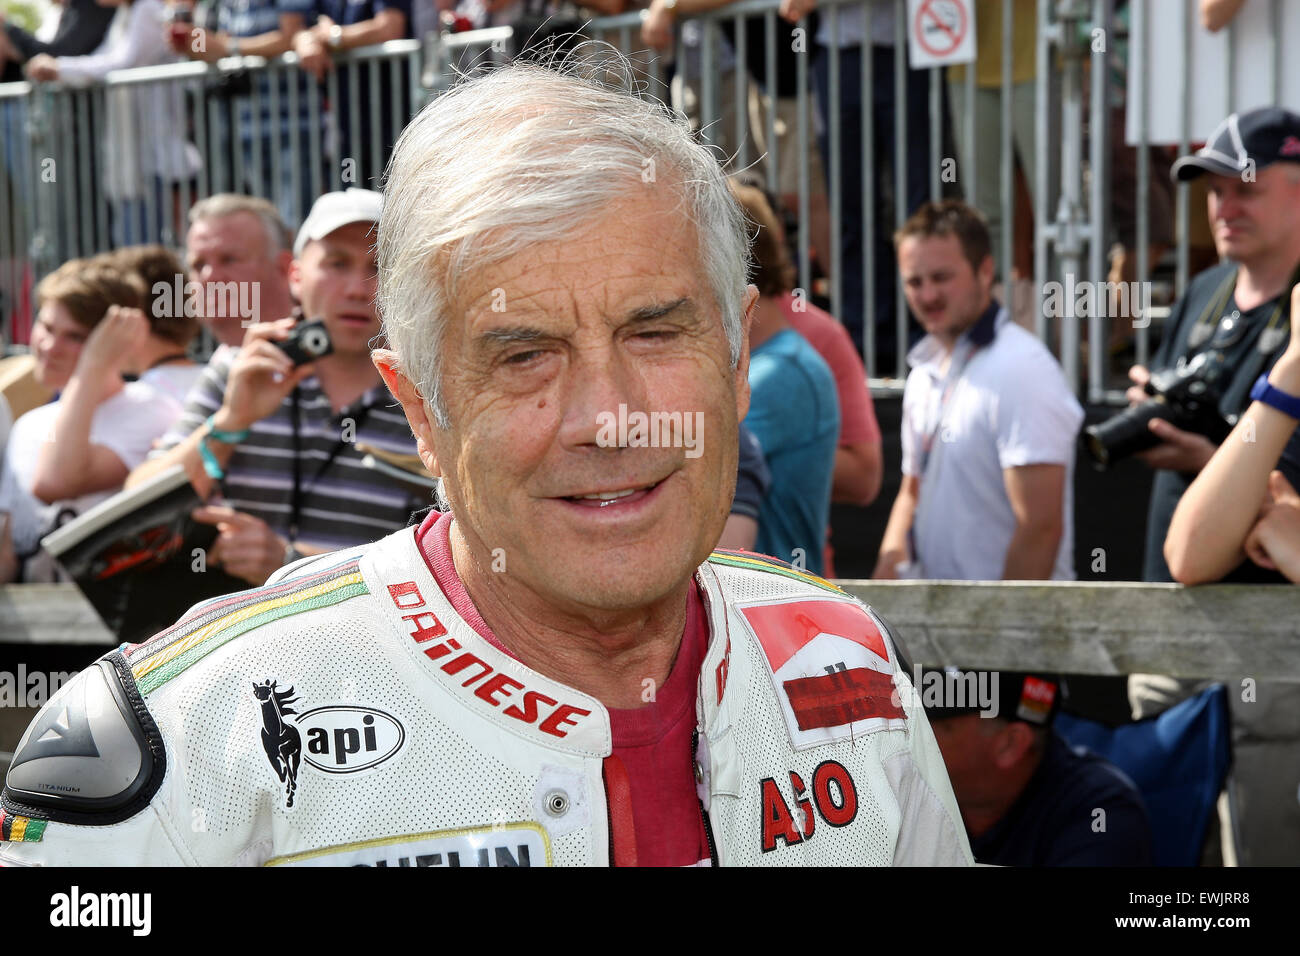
[557,669]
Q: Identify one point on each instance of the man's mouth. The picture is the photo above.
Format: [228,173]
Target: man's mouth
[620,496]
[355,318]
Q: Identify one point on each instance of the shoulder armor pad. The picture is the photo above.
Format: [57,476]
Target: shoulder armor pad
[304,565]
[93,755]
[750,561]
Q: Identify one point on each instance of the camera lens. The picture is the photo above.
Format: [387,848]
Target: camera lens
[315,342]
[1125,434]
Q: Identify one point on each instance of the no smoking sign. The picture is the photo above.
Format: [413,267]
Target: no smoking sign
[940,32]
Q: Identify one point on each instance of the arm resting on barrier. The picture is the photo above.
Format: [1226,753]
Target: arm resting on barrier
[387,24]
[1214,516]
[142,44]
[268,45]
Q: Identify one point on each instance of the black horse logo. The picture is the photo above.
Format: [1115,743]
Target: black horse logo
[280,739]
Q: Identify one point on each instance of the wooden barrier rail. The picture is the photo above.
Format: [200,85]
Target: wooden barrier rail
[49,614]
[1221,631]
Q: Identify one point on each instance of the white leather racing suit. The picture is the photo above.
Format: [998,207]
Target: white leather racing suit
[345,714]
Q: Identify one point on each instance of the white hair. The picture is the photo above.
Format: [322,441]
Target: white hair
[219,205]
[525,154]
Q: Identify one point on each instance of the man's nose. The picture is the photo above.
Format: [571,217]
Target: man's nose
[602,388]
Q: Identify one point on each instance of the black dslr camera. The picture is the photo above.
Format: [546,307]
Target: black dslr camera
[1187,396]
[307,342]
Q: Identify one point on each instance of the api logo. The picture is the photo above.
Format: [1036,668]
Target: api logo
[347,739]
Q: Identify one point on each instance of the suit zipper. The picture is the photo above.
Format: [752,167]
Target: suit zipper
[704,814]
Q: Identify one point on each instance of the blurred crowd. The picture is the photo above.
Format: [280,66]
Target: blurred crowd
[110,396]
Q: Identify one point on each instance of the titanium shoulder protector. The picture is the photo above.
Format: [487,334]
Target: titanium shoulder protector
[93,756]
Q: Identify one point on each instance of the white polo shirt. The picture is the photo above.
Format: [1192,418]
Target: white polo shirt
[1008,405]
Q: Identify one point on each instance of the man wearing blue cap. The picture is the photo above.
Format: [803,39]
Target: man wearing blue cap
[1236,313]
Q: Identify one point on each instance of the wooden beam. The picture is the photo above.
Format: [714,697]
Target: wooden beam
[49,614]
[1221,631]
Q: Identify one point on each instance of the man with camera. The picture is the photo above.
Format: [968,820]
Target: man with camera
[276,428]
[1233,322]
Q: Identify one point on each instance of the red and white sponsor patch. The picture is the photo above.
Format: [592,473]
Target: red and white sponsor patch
[831,667]
[1036,697]
[1290,146]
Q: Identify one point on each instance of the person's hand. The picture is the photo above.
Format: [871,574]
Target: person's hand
[796,10]
[1178,450]
[1139,375]
[321,29]
[42,67]
[887,565]
[111,346]
[261,377]
[246,547]
[312,54]
[657,27]
[1274,542]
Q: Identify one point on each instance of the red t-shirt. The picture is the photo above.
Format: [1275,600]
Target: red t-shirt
[833,344]
[652,742]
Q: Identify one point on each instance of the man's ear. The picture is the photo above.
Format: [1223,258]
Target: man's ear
[1014,743]
[413,404]
[749,306]
[294,272]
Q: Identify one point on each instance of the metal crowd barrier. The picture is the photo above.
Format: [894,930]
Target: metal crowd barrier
[699,67]
[85,169]
[48,215]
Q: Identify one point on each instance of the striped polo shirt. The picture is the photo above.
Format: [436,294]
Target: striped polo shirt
[345,504]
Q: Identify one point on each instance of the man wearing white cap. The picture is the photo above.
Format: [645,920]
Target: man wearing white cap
[279,441]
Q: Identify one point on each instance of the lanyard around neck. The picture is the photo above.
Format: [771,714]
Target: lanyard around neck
[295,513]
[962,354]
[1212,315]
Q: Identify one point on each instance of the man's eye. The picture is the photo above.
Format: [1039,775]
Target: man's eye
[523,358]
[657,334]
